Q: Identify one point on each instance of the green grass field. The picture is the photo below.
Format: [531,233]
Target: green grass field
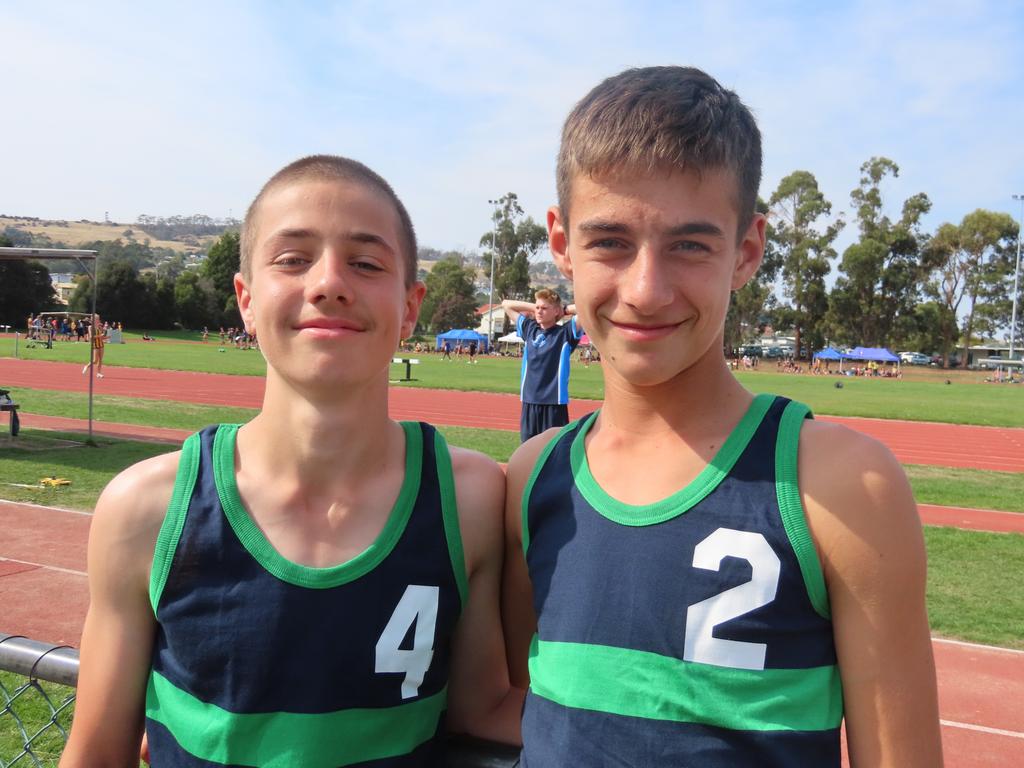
[925,397]
[35,713]
[974,583]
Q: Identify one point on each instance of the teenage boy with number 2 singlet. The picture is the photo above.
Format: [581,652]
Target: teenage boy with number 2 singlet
[318,586]
[696,576]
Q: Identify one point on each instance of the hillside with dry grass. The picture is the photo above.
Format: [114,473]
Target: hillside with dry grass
[75,233]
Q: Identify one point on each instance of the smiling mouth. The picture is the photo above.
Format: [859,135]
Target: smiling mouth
[330,326]
[646,332]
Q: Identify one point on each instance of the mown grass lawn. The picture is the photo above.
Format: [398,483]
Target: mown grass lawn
[922,397]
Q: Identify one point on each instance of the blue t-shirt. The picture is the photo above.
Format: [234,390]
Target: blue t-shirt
[544,378]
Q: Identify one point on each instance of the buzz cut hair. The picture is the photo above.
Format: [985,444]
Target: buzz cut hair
[642,121]
[330,168]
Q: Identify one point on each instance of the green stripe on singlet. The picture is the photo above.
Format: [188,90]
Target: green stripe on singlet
[283,739]
[634,683]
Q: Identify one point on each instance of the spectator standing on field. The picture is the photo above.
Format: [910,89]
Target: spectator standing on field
[548,348]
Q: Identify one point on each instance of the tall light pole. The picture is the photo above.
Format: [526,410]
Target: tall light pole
[1016,277]
[494,255]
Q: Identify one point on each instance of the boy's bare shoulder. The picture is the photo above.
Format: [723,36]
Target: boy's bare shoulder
[479,484]
[480,494]
[853,488]
[525,457]
[136,500]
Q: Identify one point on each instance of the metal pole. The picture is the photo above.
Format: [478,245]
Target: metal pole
[494,256]
[92,329]
[1016,277]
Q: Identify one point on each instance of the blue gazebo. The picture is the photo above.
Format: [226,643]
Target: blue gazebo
[462,336]
[828,353]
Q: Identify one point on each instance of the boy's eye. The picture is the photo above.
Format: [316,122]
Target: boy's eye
[606,244]
[691,245]
[290,260]
[368,266]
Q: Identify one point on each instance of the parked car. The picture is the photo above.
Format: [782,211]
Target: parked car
[954,360]
[751,350]
[914,358]
[774,352]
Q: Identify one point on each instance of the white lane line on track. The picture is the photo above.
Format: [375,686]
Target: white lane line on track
[45,567]
[42,506]
[979,646]
[982,729]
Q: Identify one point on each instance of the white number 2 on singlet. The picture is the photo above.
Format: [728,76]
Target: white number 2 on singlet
[703,617]
[419,605]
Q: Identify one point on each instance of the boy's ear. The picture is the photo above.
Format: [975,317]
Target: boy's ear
[413,301]
[558,241]
[749,252]
[245,306]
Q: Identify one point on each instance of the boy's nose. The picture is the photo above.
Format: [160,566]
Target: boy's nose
[329,280]
[646,286]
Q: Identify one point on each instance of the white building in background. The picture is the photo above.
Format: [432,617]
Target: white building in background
[489,313]
[63,285]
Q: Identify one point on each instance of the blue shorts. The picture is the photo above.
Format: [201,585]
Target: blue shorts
[536,417]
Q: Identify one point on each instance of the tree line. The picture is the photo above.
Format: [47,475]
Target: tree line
[133,287]
[896,285]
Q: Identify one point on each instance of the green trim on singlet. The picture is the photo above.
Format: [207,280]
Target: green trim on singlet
[253,539]
[633,683]
[537,467]
[450,515]
[174,520]
[794,519]
[680,501]
[284,739]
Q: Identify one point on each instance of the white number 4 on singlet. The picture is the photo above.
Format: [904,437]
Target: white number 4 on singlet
[702,618]
[419,605]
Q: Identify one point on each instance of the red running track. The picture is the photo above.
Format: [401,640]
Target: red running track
[44,595]
[948,445]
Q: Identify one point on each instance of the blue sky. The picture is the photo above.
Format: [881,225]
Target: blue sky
[184,108]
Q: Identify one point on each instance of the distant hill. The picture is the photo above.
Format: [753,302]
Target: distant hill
[73,233]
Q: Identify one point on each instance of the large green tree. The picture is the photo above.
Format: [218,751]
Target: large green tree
[751,305]
[120,296]
[24,288]
[449,301]
[972,262]
[803,241]
[513,239]
[221,265]
[195,300]
[882,274]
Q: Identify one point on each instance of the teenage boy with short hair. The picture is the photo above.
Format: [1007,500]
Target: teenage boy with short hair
[308,588]
[547,351]
[703,593]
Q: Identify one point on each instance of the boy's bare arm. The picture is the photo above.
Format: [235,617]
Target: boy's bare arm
[865,524]
[517,614]
[117,638]
[515,308]
[480,700]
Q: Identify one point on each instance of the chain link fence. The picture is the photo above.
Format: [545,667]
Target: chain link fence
[37,695]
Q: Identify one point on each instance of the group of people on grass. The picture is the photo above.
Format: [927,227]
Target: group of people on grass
[690,576]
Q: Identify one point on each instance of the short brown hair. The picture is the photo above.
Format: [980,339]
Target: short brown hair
[546,294]
[676,118]
[330,168]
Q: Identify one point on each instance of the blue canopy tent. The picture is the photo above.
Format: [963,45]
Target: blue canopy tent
[871,354]
[462,336]
[828,353]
